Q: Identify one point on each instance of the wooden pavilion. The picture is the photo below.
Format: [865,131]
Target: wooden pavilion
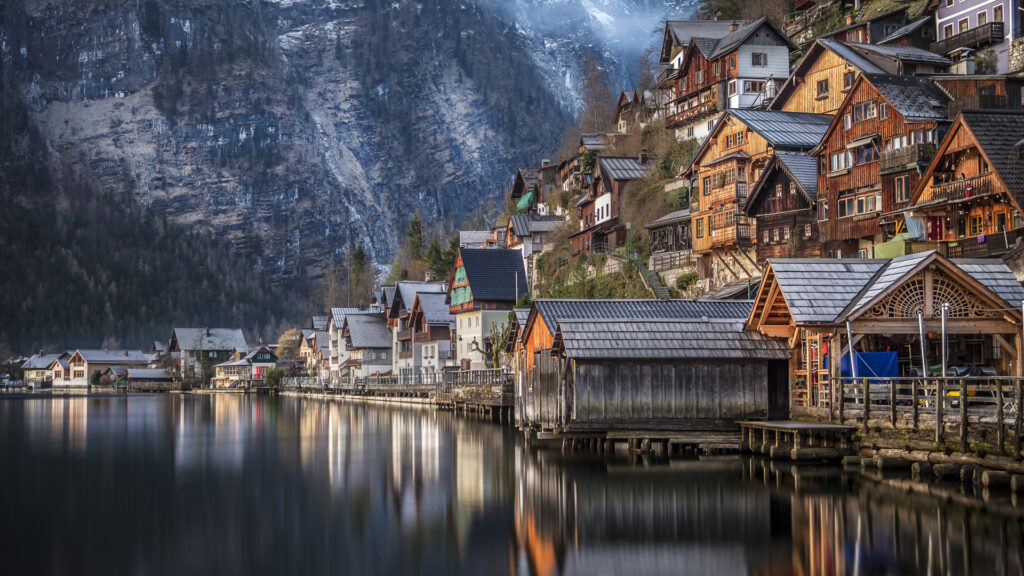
[810,302]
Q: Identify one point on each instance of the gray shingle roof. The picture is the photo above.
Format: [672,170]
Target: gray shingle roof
[368,331]
[813,53]
[473,237]
[683,30]
[210,339]
[705,45]
[895,270]
[997,277]
[817,290]
[595,141]
[733,40]
[901,53]
[435,310]
[526,224]
[554,311]
[803,168]
[389,295]
[529,176]
[494,274]
[338,314]
[148,374]
[319,322]
[624,168]
[666,339]
[37,362]
[998,133]
[796,130]
[408,289]
[906,30]
[121,357]
[915,98]
[670,218]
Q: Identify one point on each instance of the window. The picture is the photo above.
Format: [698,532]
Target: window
[866,154]
[775,234]
[848,79]
[807,230]
[778,190]
[997,13]
[700,227]
[823,87]
[947,30]
[883,111]
[785,233]
[963,25]
[902,187]
[711,125]
[718,68]
[841,161]
[949,3]
[822,210]
[706,185]
[731,62]
[759,59]
[792,188]
[982,18]
[753,86]
[846,207]
[682,85]
[765,236]
[847,121]
[865,111]
[1017,221]
[823,165]
[700,77]
[732,88]
[734,140]
[975,225]
[689,132]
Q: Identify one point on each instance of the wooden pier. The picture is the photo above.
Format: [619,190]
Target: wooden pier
[787,439]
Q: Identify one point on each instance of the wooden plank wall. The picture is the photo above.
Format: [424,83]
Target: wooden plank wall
[805,98]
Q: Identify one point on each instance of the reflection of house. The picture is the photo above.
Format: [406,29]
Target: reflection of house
[200,349]
[783,205]
[368,342]
[484,287]
[600,229]
[808,302]
[728,163]
[37,369]
[870,158]
[432,327]
[970,198]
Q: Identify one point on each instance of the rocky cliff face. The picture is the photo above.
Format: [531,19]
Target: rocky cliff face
[298,128]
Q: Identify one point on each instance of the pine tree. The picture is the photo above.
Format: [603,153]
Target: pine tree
[415,237]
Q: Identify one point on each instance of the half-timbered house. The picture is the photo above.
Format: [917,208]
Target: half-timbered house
[783,205]
[869,160]
[600,230]
[727,164]
[969,200]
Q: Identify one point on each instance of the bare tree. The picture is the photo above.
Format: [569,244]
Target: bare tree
[596,93]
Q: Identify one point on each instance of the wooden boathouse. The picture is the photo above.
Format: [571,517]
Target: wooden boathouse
[653,379]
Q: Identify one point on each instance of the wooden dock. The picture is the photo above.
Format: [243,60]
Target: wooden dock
[788,439]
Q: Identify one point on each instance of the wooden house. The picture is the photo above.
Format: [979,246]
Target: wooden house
[526,189]
[726,165]
[918,34]
[655,374]
[869,30]
[783,205]
[988,92]
[198,350]
[624,117]
[407,352]
[532,235]
[821,81]
[671,241]
[368,342]
[969,200]
[483,288]
[83,363]
[600,229]
[433,328]
[739,69]
[869,160]
[810,301]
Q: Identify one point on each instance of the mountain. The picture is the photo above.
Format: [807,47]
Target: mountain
[293,130]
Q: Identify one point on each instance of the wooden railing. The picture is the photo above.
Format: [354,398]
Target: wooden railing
[965,189]
[492,387]
[979,36]
[949,406]
[662,261]
[404,334]
[695,112]
[907,156]
[983,101]
[414,384]
[984,246]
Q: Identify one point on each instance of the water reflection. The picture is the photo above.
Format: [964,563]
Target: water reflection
[181,484]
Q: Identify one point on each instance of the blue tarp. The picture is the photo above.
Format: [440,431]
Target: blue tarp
[871,365]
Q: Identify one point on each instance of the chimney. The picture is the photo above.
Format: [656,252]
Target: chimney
[40,353]
[642,157]
[732,26]
[125,353]
[207,331]
[544,163]
[849,19]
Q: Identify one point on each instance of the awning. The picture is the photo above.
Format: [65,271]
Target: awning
[862,141]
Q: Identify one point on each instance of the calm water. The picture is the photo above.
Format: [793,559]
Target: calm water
[230,484]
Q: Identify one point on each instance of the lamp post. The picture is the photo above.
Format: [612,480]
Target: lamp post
[629,225]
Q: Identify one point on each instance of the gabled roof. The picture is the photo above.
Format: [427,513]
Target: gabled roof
[907,29]
[40,362]
[998,133]
[734,40]
[368,331]
[435,310]
[258,350]
[529,177]
[782,130]
[901,53]
[679,32]
[666,339]
[553,311]
[338,314]
[474,237]
[799,167]
[996,276]
[817,290]
[119,357]
[624,168]
[209,339]
[319,322]
[524,225]
[408,289]
[915,98]
[595,142]
[148,374]
[495,274]
[389,295]
[814,52]
[706,46]
[670,218]
[866,21]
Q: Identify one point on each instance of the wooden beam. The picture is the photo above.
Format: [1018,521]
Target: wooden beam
[772,293]
[1005,345]
[856,338]
[953,326]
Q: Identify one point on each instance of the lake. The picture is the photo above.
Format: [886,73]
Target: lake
[234,484]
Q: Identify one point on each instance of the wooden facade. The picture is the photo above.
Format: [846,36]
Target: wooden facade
[819,84]
[600,230]
[963,201]
[869,162]
[785,213]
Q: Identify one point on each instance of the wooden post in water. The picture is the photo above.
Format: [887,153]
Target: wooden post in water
[963,415]
[940,393]
[924,363]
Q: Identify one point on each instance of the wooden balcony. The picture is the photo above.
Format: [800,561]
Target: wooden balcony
[981,101]
[405,354]
[405,334]
[983,246]
[667,77]
[991,33]
[965,189]
[906,158]
[696,112]
[739,234]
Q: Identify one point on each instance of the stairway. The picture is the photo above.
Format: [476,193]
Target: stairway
[650,279]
